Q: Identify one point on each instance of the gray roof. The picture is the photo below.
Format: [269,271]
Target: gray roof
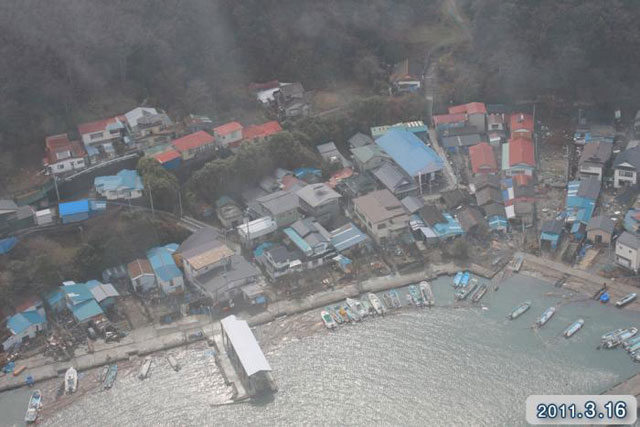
[360,140]
[470,217]
[494,209]
[488,195]
[200,241]
[601,222]
[8,205]
[460,131]
[483,180]
[454,198]
[317,194]
[367,152]
[461,140]
[279,202]
[631,156]
[552,226]
[394,178]
[431,215]
[357,184]
[598,152]
[412,203]
[235,273]
[629,240]
[281,254]
[589,188]
[312,232]
[330,153]
[245,345]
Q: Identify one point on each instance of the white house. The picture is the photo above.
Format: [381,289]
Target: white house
[626,167]
[141,275]
[628,251]
[63,155]
[98,137]
[126,184]
[22,326]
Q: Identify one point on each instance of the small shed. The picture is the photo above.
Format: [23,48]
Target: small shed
[600,229]
[44,217]
[550,233]
[74,211]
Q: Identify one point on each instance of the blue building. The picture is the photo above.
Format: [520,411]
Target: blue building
[169,276]
[22,326]
[550,233]
[76,211]
[580,204]
[126,184]
[81,302]
[55,300]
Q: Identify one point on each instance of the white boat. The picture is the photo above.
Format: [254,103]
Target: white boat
[427,293]
[546,316]
[619,337]
[395,298]
[626,300]
[376,303]
[573,328]
[145,368]
[613,334]
[71,380]
[327,319]
[367,306]
[173,362]
[519,310]
[35,403]
[357,306]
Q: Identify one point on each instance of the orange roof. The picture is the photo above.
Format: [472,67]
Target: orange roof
[167,156]
[470,108]
[339,176]
[448,118]
[262,130]
[521,180]
[193,140]
[521,152]
[482,158]
[96,126]
[227,128]
[520,121]
[58,143]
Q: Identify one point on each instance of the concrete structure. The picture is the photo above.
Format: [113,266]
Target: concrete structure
[228,134]
[193,145]
[594,159]
[279,261]
[63,155]
[281,206]
[600,229]
[141,275]
[319,201]
[628,251]
[228,212]
[382,215]
[626,167]
[126,185]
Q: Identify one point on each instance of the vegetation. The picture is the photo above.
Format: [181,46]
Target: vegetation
[162,184]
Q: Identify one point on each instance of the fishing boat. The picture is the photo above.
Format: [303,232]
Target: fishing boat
[465,278]
[395,298]
[633,348]
[342,313]
[624,335]
[626,300]
[464,293]
[546,316]
[519,310]
[144,368]
[35,403]
[376,303]
[352,314]
[111,377]
[415,295]
[367,306]
[103,374]
[357,306]
[573,328]
[71,380]
[173,362]
[636,357]
[612,335]
[477,296]
[630,342]
[457,279]
[386,299]
[327,319]
[427,293]
[339,320]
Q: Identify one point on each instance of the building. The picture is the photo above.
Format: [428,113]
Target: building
[488,195]
[81,302]
[228,135]
[550,233]
[359,140]
[228,212]
[453,199]
[483,160]
[100,137]
[329,153]
[348,238]
[407,75]
[202,252]
[496,217]
[476,114]
[521,126]
[518,157]
[281,206]
[257,231]
[580,204]
[279,261]
[417,159]
[382,214]
[626,167]
[290,100]
[63,155]
[261,133]
[194,123]
[395,180]
[78,210]
[600,230]
[104,293]
[141,275]
[169,277]
[149,126]
[22,327]
[368,157]
[195,144]
[226,282]
[311,240]
[472,220]
[447,121]
[126,184]
[320,201]
[594,159]
[460,143]
[628,251]
[521,212]
[169,159]
[417,127]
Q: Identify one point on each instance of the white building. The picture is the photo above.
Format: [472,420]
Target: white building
[626,167]
[628,251]
[63,155]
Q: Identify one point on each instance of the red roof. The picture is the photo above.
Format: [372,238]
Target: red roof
[448,118]
[521,121]
[289,181]
[261,131]
[96,126]
[521,152]
[339,176]
[470,108]
[193,140]
[227,128]
[58,143]
[167,156]
[482,158]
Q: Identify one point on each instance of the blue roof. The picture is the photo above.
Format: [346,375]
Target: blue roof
[91,150]
[77,293]
[259,250]
[125,179]
[54,297]
[162,263]
[298,241]
[347,236]
[409,152]
[92,284]
[7,244]
[21,321]
[449,228]
[86,310]
[302,172]
[72,208]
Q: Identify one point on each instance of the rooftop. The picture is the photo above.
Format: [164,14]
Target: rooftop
[279,202]
[598,152]
[448,118]
[360,140]
[139,267]
[21,321]
[347,236]
[194,140]
[409,152]
[380,206]
[521,121]
[552,226]
[317,194]
[227,128]
[75,207]
[470,108]
[137,113]
[630,157]
[394,178]
[521,152]
[628,239]
[124,180]
[461,140]
[262,130]
[97,126]
[482,158]
[167,156]
[601,222]
[162,262]
[245,345]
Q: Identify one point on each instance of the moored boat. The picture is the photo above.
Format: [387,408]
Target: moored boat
[519,310]
[395,298]
[376,303]
[71,380]
[173,362]
[386,299]
[103,373]
[111,377]
[356,306]
[630,342]
[626,300]
[367,306]
[623,335]
[415,295]
[35,403]
[145,368]
[613,334]
[477,296]
[342,313]
[335,316]
[633,348]
[427,293]
[573,328]
[457,279]
[464,293]
[328,321]
[352,314]
[546,316]
[465,278]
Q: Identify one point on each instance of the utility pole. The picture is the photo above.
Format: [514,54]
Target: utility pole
[55,184]
[180,200]
[153,213]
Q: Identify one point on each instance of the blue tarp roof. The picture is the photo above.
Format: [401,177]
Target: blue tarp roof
[449,228]
[550,237]
[98,205]
[54,297]
[21,321]
[125,179]
[72,208]
[7,244]
[347,236]
[497,222]
[77,293]
[302,172]
[409,152]
[258,251]
[162,262]
[86,310]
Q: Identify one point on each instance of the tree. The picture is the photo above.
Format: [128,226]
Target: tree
[162,185]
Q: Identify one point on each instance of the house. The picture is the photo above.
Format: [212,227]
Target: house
[417,159]
[521,126]
[194,123]
[481,181]
[63,155]
[496,216]
[632,221]
[449,229]
[223,284]
[104,293]
[522,212]
[446,121]
[282,206]
[78,210]
[359,140]
[319,201]
[460,143]
[550,233]
[256,231]
[594,159]
[495,123]
[600,230]
[348,238]
[136,114]
[149,126]
[8,211]
[368,157]
[202,252]
[580,204]
[471,220]
[628,251]
[483,160]
[488,195]
[329,153]
[260,133]
[126,184]
[228,212]
[169,159]
[406,76]
[416,127]
[23,326]
[518,157]
[588,133]
[141,275]
[440,225]
[228,135]
[476,113]
[290,100]
[278,261]
[382,214]
[100,137]
[82,303]
[169,277]
[355,186]
[336,177]
[452,199]
[396,180]
[311,240]
[626,167]
[55,300]
[431,215]
[195,144]
[412,204]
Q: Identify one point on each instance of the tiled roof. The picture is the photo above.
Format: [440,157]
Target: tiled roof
[482,158]
[470,108]
[521,152]
[99,125]
[167,156]
[192,141]
[227,128]
[262,130]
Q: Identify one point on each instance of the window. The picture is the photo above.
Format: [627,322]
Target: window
[95,136]
[61,166]
[627,174]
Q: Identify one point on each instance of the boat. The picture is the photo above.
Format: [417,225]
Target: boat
[612,335]
[457,278]
[335,316]
[173,362]
[386,299]
[464,293]
[327,319]
[367,306]
[465,279]
[111,377]
[427,293]
[633,348]
[624,335]
[342,313]
[35,403]
[519,310]
[626,300]
[356,306]
[630,342]
[546,316]
[352,314]
[71,380]
[395,298]
[103,373]
[477,296]
[376,303]
[636,357]
[145,368]
[415,295]
[573,328]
